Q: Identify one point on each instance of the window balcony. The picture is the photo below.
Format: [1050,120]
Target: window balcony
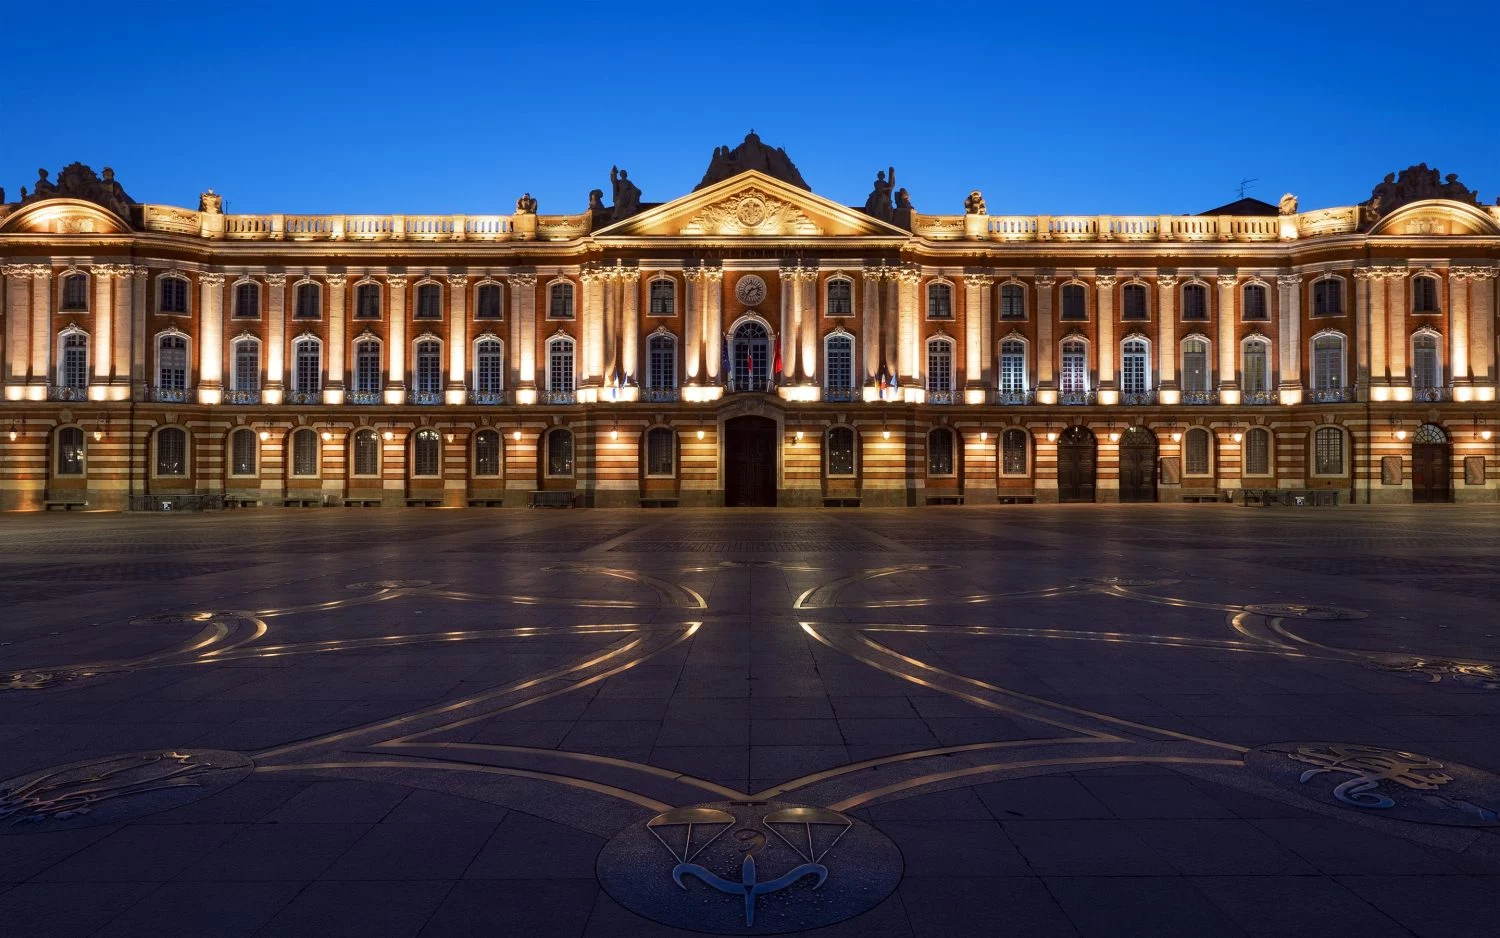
[1199,398]
[1141,398]
[1076,398]
[944,397]
[65,392]
[1260,397]
[363,398]
[170,395]
[750,386]
[489,398]
[1330,395]
[559,397]
[424,398]
[661,395]
[1014,398]
[304,397]
[1432,395]
[242,397]
[842,395]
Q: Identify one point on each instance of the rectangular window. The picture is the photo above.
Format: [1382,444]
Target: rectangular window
[1328,451]
[840,297]
[841,451]
[247,300]
[1424,297]
[309,373]
[1012,367]
[367,367]
[939,301]
[429,301]
[661,444]
[174,295]
[560,367]
[1134,302]
[75,293]
[1013,453]
[309,301]
[561,305]
[1257,455]
[1256,373]
[662,371]
[1195,367]
[70,452]
[1328,297]
[939,367]
[487,301]
[1012,301]
[663,298]
[1074,302]
[244,453]
[246,366]
[1195,301]
[1074,369]
[1255,303]
[367,301]
[840,371]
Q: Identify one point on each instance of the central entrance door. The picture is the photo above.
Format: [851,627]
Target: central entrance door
[1431,465]
[1138,465]
[750,462]
[1076,459]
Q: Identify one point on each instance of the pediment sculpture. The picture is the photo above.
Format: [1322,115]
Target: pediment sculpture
[1414,184]
[751,212]
[77,181]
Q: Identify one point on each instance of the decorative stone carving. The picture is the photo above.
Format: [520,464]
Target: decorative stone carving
[77,181]
[526,205]
[1288,205]
[211,279]
[627,194]
[1414,184]
[210,203]
[903,201]
[751,154]
[974,204]
[523,280]
[879,204]
[752,212]
[596,201]
[276,280]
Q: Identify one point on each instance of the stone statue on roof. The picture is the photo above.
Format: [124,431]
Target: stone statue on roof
[1414,184]
[879,204]
[77,181]
[627,194]
[751,154]
[1288,205]
[974,204]
[526,205]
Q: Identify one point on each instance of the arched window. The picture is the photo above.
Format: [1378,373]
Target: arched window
[661,365]
[1430,433]
[489,366]
[307,376]
[560,303]
[1135,366]
[70,451]
[171,363]
[1075,367]
[940,452]
[663,300]
[841,451]
[838,361]
[1194,301]
[429,301]
[1258,452]
[366,452]
[172,295]
[247,300]
[73,366]
[367,301]
[1195,452]
[246,373]
[487,453]
[309,300]
[560,365]
[750,357]
[487,301]
[427,367]
[1195,372]
[661,452]
[1328,297]
[1074,301]
[171,452]
[1013,366]
[1426,367]
[1013,452]
[1328,451]
[1255,365]
[75,294]
[244,452]
[367,377]
[840,296]
[560,452]
[1133,302]
[1255,308]
[304,452]
[1328,362]
[1012,301]
[939,301]
[425,445]
[1424,294]
[939,365]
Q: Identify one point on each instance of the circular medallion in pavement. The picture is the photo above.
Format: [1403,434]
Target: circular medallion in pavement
[1404,786]
[749,867]
[388,585]
[1435,670]
[39,678]
[115,788]
[1303,611]
[1125,581]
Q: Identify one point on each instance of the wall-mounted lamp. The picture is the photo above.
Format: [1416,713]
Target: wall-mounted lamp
[1236,435]
[984,435]
[614,432]
[99,426]
[799,436]
[885,428]
[1176,433]
[1400,430]
[451,436]
[1051,433]
[265,435]
[388,436]
[516,436]
[1114,435]
[1484,432]
[327,436]
[14,432]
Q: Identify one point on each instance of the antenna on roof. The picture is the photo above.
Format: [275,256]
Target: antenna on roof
[1247,184]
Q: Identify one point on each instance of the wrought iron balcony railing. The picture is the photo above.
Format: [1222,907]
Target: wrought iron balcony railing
[1330,395]
[661,395]
[242,397]
[67,392]
[1140,398]
[489,398]
[1077,397]
[1431,395]
[363,398]
[304,397]
[833,395]
[750,386]
[1014,398]
[1200,397]
[559,397]
[1260,397]
[424,398]
[943,397]
[170,395]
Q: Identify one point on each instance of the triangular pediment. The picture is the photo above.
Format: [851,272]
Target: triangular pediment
[750,205]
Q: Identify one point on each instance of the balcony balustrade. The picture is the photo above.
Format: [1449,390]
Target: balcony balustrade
[1139,398]
[1330,395]
[1432,395]
[170,395]
[304,397]
[67,392]
[1260,397]
[242,397]
[489,398]
[661,395]
[559,397]
[424,398]
[363,398]
[1014,398]
[1076,398]
[1199,398]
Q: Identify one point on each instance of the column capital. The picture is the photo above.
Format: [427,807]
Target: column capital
[1228,281]
[17,271]
[978,279]
[1166,281]
[41,272]
[1045,281]
[337,280]
[692,274]
[909,273]
[1289,280]
[396,281]
[713,274]
[1105,281]
[523,280]
[629,274]
[141,274]
[211,279]
[275,280]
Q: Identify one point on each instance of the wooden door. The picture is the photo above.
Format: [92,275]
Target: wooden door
[1076,461]
[1431,472]
[750,462]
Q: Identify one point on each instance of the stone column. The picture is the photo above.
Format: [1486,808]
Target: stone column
[791,301]
[1289,303]
[513,335]
[1458,327]
[809,321]
[124,324]
[987,375]
[210,337]
[692,324]
[908,333]
[141,307]
[523,307]
[458,335]
[395,382]
[41,324]
[1370,328]
[1166,353]
[890,323]
[102,342]
[609,283]
[275,336]
[630,323]
[975,284]
[713,324]
[1106,307]
[592,364]
[1228,280]
[1396,316]
[338,320]
[1046,353]
[1482,325]
[869,333]
[17,323]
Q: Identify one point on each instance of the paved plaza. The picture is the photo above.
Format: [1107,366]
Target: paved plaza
[1093,720]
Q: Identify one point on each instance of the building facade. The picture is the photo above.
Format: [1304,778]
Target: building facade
[747,343]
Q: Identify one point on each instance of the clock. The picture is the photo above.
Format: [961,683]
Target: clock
[750,290]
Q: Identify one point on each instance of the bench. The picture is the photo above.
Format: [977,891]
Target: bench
[552,499]
[362,503]
[424,503]
[1016,499]
[240,501]
[486,503]
[945,499]
[302,502]
[659,502]
[66,504]
[841,502]
[1205,499]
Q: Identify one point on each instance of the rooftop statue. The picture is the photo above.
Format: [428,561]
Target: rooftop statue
[974,204]
[596,201]
[211,203]
[526,205]
[751,154]
[627,194]
[879,204]
[77,181]
[1288,205]
[1414,184]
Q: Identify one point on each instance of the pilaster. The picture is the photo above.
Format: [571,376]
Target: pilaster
[395,382]
[1228,379]
[338,325]
[141,310]
[609,372]
[975,285]
[17,323]
[809,325]
[1045,353]
[1289,308]
[791,305]
[630,323]
[458,336]
[869,332]
[102,346]
[124,316]
[713,325]
[1458,327]
[592,360]
[1482,327]
[1396,317]
[1105,304]
[907,334]
[1166,337]
[275,336]
[523,290]
[1373,367]
[692,325]
[41,324]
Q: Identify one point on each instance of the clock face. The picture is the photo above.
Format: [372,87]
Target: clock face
[751,290]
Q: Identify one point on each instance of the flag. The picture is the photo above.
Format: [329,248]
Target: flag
[724,363]
[749,370]
[882,381]
[776,366]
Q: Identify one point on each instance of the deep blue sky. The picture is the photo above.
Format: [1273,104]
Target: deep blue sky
[427,107]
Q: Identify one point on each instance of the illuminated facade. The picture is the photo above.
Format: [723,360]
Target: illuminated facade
[747,343]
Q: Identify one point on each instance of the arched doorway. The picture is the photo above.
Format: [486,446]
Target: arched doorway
[1138,465]
[1077,457]
[1431,465]
[750,462]
[750,358]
